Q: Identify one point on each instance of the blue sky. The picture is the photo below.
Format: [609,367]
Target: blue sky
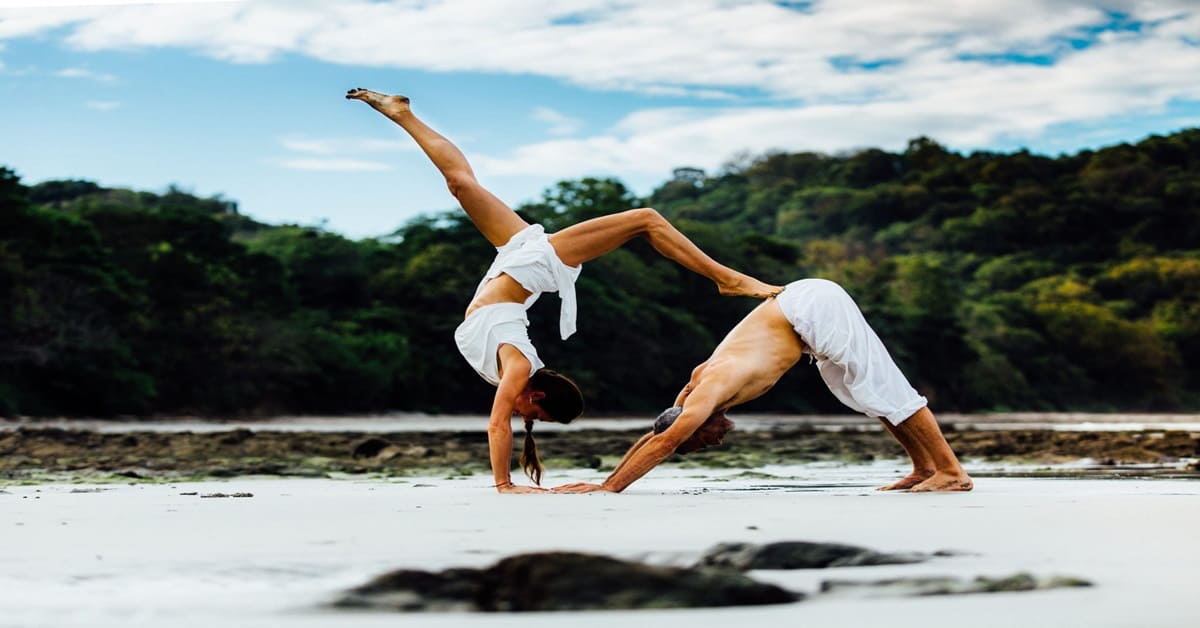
[244,99]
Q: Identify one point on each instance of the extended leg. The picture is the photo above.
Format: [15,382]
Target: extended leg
[592,238]
[495,220]
[948,474]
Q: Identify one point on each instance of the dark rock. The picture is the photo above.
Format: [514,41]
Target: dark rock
[236,437]
[370,448]
[921,586]
[800,555]
[556,581]
[132,473]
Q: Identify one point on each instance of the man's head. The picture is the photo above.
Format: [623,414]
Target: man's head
[710,433]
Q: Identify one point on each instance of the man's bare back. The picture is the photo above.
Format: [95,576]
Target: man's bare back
[748,362]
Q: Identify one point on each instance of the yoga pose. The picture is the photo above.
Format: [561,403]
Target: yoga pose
[493,337]
[812,316]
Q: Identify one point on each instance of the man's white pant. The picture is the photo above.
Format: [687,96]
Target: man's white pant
[851,358]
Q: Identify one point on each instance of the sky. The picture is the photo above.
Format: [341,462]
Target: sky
[245,99]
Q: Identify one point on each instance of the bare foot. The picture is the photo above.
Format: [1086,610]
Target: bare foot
[908,481]
[746,286]
[385,104]
[945,481]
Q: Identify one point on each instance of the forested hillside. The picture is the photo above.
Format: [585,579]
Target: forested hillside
[998,282]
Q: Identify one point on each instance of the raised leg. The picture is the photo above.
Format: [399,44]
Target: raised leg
[495,220]
[592,238]
[948,475]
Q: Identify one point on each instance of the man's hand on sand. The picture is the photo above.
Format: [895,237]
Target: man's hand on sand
[579,487]
[513,488]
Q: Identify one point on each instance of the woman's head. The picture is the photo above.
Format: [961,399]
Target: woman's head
[551,397]
[560,398]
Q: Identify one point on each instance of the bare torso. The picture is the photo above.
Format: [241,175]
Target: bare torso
[751,358]
[500,289]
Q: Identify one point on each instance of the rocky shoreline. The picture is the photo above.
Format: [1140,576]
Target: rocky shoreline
[37,453]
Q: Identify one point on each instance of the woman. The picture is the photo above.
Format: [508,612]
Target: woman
[493,336]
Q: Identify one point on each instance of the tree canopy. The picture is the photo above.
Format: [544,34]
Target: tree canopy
[998,282]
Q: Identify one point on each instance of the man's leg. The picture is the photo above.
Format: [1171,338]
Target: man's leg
[922,461]
[948,475]
[495,220]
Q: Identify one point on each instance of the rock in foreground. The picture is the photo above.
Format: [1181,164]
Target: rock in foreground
[911,587]
[558,581]
[800,555]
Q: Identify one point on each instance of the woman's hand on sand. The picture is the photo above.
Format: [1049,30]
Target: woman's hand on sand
[578,487]
[513,488]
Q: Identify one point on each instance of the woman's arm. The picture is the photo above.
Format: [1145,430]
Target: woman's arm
[514,368]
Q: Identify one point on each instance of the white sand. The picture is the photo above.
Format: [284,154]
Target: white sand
[147,555]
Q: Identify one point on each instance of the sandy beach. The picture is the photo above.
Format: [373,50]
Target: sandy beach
[264,524]
[153,554]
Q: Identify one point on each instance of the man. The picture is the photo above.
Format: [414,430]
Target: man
[818,317]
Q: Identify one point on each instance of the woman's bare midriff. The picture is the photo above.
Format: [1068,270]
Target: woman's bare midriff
[500,289]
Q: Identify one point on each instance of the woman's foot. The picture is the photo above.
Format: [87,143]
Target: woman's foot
[945,481]
[383,103]
[908,481]
[746,286]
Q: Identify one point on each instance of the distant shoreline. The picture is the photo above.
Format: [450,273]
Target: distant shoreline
[422,422]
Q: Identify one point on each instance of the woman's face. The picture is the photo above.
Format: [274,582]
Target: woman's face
[526,406]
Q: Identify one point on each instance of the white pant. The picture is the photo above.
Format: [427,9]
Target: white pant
[851,358]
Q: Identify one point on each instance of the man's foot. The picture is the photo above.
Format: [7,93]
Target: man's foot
[908,481]
[746,286]
[945,481]
[385,104]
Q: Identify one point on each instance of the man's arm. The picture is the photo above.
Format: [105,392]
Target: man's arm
[687,390]
[629,454]
[653,448]
[586,487]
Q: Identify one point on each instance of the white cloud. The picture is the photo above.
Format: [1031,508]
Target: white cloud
[81,73]
[102,105]
[798,68]
[334,165]
[557,122]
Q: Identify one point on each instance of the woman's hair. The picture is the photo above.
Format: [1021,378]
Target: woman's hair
[563,400]
[563,403]
[529,456]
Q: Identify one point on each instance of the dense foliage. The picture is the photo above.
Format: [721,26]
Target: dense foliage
[998,282]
